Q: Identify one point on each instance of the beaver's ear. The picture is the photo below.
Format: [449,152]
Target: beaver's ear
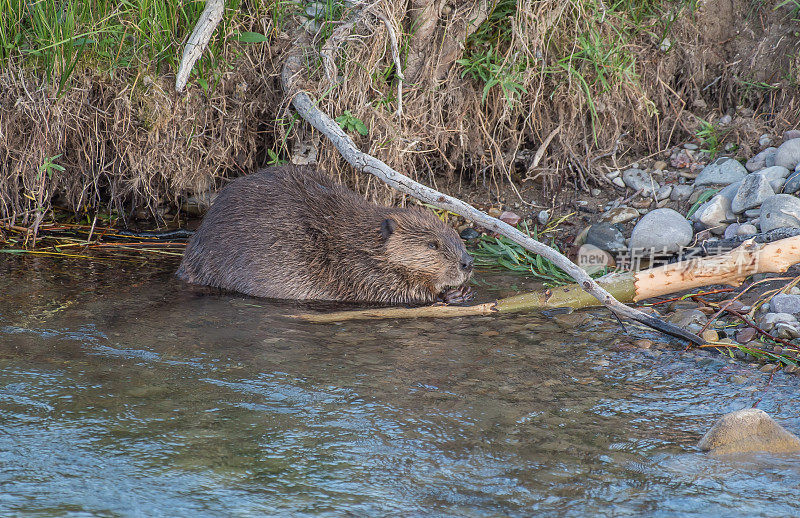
[387,227]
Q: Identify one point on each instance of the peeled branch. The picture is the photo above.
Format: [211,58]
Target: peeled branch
[197,42]
[730,268]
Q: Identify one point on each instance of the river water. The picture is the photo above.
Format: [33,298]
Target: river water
[124,392]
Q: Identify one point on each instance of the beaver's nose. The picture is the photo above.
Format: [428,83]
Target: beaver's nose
[466,262]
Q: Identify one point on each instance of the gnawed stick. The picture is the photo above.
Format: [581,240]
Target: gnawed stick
[730,268]
[361,161]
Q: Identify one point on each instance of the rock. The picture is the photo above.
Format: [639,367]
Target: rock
[791,134]
[637,180]
[776,175]
[748,430]
[681,159]
[686,317]
[723,171]
[783,303]
[730,191]
[780,210]
[792,184]
[595,192]
[681,192]
[709,335]
[745,335]
[618,182]
[469,234]
[511,218]
[661,230]
[788,154]
[664,192]
[731,231]
[725,119]
[592,259]
[754,190]
[785,331]
[494,212]
[659,165]
[613,174]
[769,320]
[543,217]
[764,140]
[713,212]
[753,213]
[606,237]
[620,215]
[690,147]
[759,161]
[746,229]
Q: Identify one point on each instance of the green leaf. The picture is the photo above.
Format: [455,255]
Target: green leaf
[251,37]
[361,127]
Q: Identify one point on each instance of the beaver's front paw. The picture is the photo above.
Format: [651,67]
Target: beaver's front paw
[459,295]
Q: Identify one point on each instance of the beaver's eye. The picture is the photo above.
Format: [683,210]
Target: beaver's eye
[433,245]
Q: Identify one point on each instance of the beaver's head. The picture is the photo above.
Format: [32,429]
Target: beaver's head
[426,249]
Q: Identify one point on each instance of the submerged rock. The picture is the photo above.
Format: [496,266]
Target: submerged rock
[748,430]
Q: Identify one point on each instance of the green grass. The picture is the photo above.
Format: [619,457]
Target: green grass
[55,38]
[502,253]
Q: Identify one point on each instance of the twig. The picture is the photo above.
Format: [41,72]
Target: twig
[397,66]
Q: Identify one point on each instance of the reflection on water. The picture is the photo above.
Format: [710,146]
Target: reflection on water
[125,392]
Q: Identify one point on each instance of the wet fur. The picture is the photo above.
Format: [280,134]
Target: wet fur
[292,232]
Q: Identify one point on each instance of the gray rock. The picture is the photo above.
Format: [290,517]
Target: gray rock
[690,147]
[725,119]
[664,192]
[753,213]
[791,134]
[661,230]
[681,192]
[729,191]
[792,184]
[748,430]
[713,212]
[764,140]
[768,321]
[776,176]
[723,171]
[606,237]
[618,182]
[746,229]
[687,317]
[731,231]
[783,303]
[543,217]
[780,210]
[759,161]
[788,154]
[754,190]
[469,234]
[785,331]
[637,180]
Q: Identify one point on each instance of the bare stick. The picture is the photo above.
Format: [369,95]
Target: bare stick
[398,68]
[361,161]
[197,42]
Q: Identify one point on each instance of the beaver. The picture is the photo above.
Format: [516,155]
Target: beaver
[292,232]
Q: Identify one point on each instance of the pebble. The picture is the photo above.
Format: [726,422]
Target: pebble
[788,154]
[776,176]
[512,218]
[792,184]
[770,320]
[469,234]
[620,215]
[745,335]
[595,192]
[664,192]
[681,192]
[731,231]
[725,119]
[780,210]
[613,174]
[543,217]
[764,140]
[643,343]
[759,161]
[709,335]
[754,190]
[691,147]
[789,369]
[723,171]
[770,367]
[606,237]
[686,317]
[660,165]
[784,303]
[791,134]
[618,182]
[713,213]
[661,230]
[746,229]
[639,180]
[753,213]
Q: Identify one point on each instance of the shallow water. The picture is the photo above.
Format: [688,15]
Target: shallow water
[126,393]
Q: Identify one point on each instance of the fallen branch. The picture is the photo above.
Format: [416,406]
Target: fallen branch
[307,109]
[731,268]
[198,40]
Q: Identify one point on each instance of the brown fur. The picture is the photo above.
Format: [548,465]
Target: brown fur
[292,232]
